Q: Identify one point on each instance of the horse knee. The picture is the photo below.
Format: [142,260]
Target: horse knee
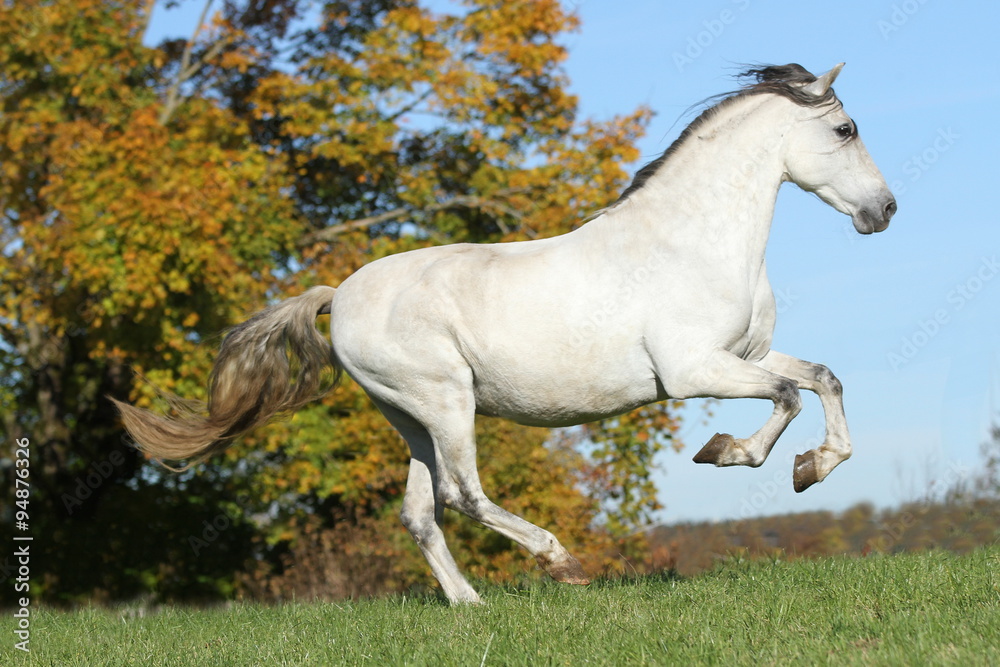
[408,518]
[788,397]
[418,518]
[827,380]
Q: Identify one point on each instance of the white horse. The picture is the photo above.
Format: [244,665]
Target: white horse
[662,295]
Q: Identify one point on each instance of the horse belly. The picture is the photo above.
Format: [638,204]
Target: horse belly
[562,392]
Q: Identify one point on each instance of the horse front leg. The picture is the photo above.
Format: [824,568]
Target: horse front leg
[722,374]
[816,464]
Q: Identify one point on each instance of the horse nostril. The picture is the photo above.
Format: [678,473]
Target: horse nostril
[890,209]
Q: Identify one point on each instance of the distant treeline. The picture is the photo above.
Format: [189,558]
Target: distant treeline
[958,525]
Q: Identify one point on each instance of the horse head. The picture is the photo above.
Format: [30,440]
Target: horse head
[825,155]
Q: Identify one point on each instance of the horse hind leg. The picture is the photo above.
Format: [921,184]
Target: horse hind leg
[461,490]
[423,520]
[422,510]
[452,428]
[557,562]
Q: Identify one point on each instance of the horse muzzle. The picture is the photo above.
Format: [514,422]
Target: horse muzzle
[875,218]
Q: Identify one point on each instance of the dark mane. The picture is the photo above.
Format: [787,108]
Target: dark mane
[785,80]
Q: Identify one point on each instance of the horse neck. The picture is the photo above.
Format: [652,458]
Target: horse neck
[715,197]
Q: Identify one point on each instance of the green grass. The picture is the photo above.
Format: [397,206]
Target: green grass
[909,609]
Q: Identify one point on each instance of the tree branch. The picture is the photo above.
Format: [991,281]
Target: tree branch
[187,70]
[410,107]
[331,233]
[148,12]
[460,201]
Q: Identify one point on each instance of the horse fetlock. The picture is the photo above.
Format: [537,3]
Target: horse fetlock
[725,450]
[837,448]
[457,589]
[466,598]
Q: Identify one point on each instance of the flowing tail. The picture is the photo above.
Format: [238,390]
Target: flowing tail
[252,380]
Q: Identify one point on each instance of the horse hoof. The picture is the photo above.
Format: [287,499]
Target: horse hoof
[714,448]
[804,473]
[568,571]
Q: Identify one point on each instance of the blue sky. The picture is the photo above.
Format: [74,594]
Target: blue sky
[908,319]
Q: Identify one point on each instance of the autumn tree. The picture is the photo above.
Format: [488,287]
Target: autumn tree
[152,195]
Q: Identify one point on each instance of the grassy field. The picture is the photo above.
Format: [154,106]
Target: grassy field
[909,609]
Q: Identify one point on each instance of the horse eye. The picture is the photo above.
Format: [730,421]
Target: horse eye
[844,131]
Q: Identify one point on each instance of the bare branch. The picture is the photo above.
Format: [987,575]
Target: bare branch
[460,201]
[410,107]
[148,14]
[331,233]
[211,53]
[187,70]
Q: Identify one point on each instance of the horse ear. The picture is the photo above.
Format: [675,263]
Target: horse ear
[823,82]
